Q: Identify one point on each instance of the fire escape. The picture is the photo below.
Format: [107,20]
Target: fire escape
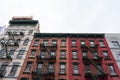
[93,63]
[6,45]
[45,58]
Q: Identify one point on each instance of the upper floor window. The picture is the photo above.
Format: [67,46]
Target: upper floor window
[105,53]
[3,67]
[82,42]
[92,43]
[52,53]
[63,54]
[45,42]
[118,56]
[63,42]
[54,42]
[36,43]
[42,54]
[30,32]
[75,69]
[73,42]
[84,53]
[26,42]
[74,55]
[21,52]
[51,67]
[33,53]
[11,52]
[101,43]
[62,68]
[40,65]
[115,44]
[2,52]
[28,66]
[14,69]
[111,69]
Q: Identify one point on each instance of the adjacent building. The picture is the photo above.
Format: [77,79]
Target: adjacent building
[114,44]
[14,44]
[69,56]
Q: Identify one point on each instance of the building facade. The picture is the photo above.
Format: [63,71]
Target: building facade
[62,56]
[14,44]
[114,44]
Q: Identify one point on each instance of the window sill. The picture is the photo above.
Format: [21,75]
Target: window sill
[62,74]
[114,75]
[107,58]
[34,45]
[31,57]
[75,58]
[76,74]
[26,72]
[63,46]
[63,58]
[74,46]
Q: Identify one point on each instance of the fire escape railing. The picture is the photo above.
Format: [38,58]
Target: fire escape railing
[90,60]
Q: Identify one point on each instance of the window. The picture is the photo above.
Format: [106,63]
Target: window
[14,69]
[11,52]
[39,68]
[87,68]
[45,42]
[11,42]
[63,42]
[73,42]
[42,54]
[51,67]
[2,53]
[118,56]
[21,52]
[111,69]
[36,42]
[3,68]
[74,54]
[115,44]
[33,53]
[85,54]
[52,53]
[105,53]
[26,42]
[62,68]
[101,43]
[82,42]
[63,54]
[28,67]
[92,43]
[75,69]
[54,42]
[40,65]
[100,68]
[95,55]
[30,32]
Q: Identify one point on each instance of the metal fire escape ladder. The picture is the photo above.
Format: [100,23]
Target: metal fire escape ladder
[6,50]
[92,61]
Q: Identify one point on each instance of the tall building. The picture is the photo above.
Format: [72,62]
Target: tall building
[69,56]
[114,44]
[14,44]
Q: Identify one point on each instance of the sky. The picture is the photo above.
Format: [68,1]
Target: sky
[66,16]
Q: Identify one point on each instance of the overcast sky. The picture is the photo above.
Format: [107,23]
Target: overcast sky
[68,16]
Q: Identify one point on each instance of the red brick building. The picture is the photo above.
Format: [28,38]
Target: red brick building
[62,56]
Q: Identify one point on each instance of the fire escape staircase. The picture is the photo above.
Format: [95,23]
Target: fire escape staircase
[94,76]
[40,72]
